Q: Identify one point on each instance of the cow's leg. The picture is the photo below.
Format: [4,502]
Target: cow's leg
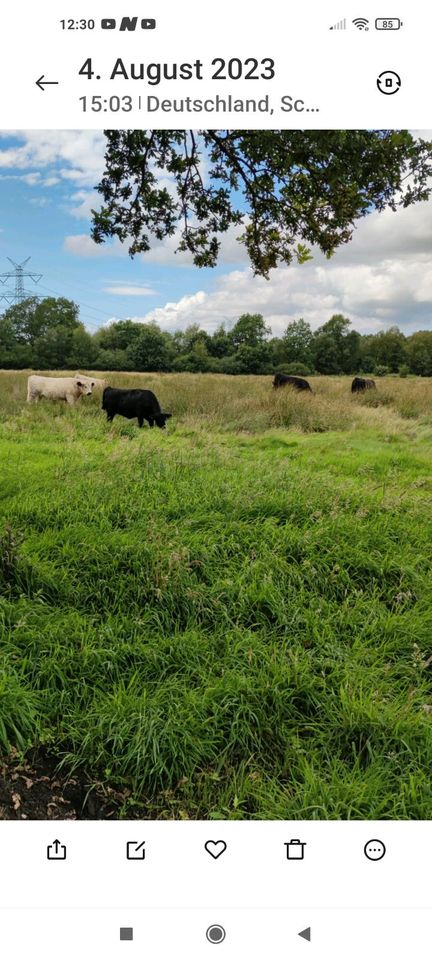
[110,417]
[140,422]
[150,421]
[70,400]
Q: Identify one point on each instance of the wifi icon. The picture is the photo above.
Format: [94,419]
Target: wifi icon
[361,23]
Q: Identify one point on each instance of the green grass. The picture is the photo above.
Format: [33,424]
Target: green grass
[232,617]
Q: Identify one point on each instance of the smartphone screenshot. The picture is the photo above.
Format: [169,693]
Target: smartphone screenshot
[215,481]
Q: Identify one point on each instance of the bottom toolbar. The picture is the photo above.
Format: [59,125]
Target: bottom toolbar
[157,890]
[195,934]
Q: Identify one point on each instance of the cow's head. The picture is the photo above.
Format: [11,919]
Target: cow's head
[85,389]
[160,419]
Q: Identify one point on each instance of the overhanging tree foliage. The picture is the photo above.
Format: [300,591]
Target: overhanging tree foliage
[287,189]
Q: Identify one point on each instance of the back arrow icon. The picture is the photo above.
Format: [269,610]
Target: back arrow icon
[41,83]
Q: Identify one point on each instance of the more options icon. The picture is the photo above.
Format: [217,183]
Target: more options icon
[374,849]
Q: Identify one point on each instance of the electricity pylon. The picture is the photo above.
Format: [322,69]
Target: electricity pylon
[18,275]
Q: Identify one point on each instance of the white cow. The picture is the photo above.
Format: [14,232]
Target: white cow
[57,388]
[99,384]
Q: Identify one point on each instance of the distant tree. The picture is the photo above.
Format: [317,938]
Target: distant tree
[250,330]
[33,319]
[253,359]
[52,350]
[230,365]
[82,349]
[278,353]
[381,370]
[150,350]
[220,342]
[249,338]
[298,342]
[7,342]
[113,360]
[350,360]
[118,335]
[184,341]
[366,360]
[419,352]
[198,360]
[57,312]
[284,188]
[326,354]
[336,348]
[388,348]
[297,369]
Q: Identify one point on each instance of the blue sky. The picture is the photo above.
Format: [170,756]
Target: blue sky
[47,180]
[45,201]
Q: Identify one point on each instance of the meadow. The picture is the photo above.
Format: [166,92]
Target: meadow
[230,618]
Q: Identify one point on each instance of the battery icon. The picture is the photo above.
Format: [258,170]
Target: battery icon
[390,23]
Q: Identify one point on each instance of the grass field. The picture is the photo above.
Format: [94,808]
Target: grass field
[230,618]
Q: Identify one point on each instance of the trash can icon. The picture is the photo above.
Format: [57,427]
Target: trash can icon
[295,850]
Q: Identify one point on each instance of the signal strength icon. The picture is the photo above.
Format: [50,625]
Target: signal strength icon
[340,25]
[361,23]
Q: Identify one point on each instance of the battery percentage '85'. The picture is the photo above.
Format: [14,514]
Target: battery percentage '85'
[392,23]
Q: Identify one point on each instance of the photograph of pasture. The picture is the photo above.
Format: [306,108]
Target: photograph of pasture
[215,474]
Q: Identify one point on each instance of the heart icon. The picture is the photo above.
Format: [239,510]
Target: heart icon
[215,848]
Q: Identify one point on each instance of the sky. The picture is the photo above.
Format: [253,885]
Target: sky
[47,190]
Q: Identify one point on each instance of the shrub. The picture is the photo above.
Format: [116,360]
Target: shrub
[296,369]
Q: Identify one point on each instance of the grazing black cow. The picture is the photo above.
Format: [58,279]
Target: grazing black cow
[134,403]
[359,384]
[281,380]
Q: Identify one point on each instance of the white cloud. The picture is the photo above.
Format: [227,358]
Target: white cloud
[130,290]
[86,200]
[373,296]
[31,179]
[82,245]
[383,277]
[81,152]
[50,181]
[162,253]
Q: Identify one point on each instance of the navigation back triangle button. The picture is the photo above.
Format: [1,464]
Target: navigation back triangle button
[306,934]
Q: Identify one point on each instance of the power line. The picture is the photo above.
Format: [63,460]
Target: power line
[86,305]
[21,294]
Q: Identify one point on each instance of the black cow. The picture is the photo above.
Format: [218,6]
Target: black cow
[281,380]
[134,403]
[359,384]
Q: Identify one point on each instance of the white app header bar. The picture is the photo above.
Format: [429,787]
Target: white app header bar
[245,66]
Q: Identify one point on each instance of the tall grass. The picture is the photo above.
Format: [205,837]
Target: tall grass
[231,617]
[248,403]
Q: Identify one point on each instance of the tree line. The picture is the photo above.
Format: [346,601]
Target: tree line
[48,335]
